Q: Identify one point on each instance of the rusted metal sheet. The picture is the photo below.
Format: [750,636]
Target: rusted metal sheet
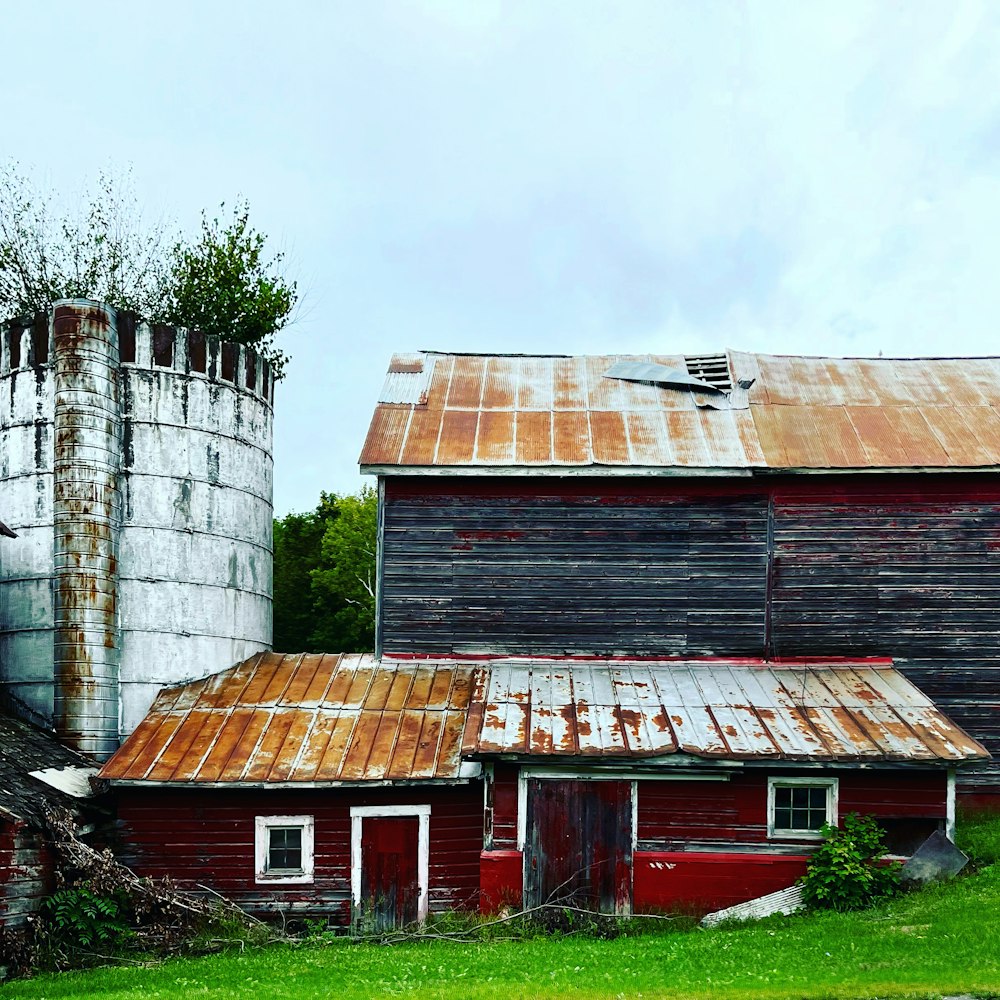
[303,718]
[732,709]
[509,411]
[475,412]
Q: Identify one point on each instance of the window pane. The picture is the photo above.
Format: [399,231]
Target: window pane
[800,807]
[285,848]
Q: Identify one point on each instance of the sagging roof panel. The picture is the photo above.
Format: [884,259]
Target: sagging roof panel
[860,710]
[492,413]
[276,719]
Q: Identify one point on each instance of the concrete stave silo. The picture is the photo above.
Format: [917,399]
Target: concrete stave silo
[174,458]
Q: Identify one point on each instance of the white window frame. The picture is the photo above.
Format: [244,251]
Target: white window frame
[423,813]
[832,786]
[262,842]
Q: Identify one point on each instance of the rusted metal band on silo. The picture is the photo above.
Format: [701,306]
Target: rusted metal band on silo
[86,524]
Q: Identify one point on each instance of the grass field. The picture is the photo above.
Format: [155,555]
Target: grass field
[939,941]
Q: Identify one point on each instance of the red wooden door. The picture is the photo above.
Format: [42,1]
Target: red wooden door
[578,847]
[390,889]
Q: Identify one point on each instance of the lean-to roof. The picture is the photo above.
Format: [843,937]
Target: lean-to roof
[313,720]
[839,710]
[303,719]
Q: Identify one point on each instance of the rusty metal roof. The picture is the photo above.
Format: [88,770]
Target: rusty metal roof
[503,413]
[728,709]
[295,719]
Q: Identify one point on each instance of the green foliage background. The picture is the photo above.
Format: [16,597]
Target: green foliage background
[324,576]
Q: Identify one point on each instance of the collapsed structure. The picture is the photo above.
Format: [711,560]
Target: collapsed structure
[644,625]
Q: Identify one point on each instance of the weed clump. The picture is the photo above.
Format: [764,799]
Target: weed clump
[849,870]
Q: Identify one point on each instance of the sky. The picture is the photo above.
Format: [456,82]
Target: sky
[549,177]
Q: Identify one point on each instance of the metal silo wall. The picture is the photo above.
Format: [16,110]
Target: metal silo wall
[195,554]
[26,564]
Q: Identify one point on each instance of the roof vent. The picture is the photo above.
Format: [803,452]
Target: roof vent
[710,368]
[655,374]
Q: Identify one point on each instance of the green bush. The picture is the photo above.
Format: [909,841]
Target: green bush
[846,872]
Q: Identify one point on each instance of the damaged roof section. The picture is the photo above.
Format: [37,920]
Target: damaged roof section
[37,772]
[504,412]
[306,718]
[732,414]
[730,710]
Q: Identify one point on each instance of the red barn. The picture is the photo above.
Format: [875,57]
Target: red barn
[692,609]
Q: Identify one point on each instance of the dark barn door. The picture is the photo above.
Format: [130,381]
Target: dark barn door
[578,844]
[390,890]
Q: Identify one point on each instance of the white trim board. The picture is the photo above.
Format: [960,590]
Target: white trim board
[832,786]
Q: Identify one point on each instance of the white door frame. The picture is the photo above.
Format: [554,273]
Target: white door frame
[423,814]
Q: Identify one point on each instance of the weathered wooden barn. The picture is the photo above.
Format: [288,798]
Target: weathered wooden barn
[688,610]
[735,505]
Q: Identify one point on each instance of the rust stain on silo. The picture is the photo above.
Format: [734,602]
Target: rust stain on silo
[85,526]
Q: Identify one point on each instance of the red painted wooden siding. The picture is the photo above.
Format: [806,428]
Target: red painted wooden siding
[500,880]
[671,813]
[504,794]
[206,836]
[699,882]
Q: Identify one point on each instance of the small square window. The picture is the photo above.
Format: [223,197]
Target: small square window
[283,849]
[800,807]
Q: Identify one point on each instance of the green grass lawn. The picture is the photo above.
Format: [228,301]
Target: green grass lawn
[942,940]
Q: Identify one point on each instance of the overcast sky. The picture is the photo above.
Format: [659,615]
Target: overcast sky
[547,177]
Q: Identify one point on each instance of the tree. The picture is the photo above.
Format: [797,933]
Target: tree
[324,576]
[223,285]
[297,541]
[101,251]
[347,571]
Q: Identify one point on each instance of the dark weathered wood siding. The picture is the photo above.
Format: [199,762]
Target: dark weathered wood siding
[26,871]
[900,566]
[206,837]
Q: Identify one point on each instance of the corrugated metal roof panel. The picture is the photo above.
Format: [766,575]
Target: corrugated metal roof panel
[743,710]
[804,413]
[276,718]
